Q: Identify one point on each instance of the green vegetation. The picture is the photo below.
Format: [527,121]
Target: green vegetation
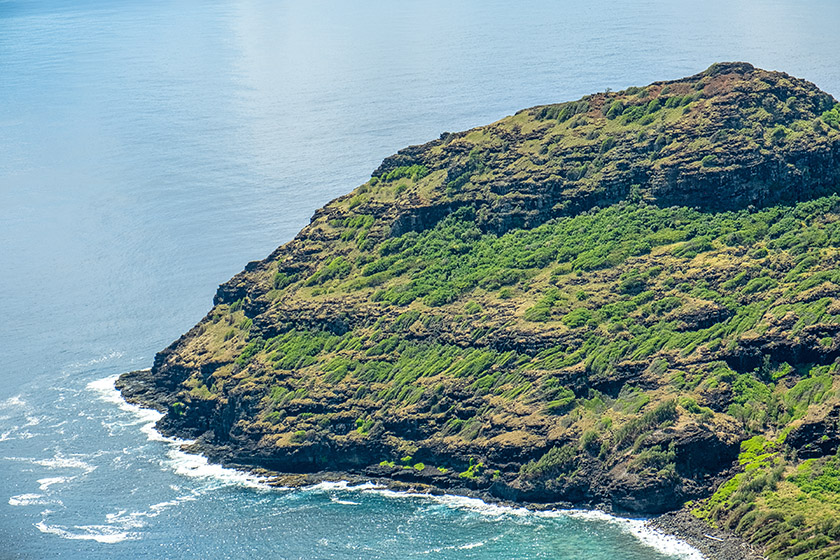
[832,117]
[473,470]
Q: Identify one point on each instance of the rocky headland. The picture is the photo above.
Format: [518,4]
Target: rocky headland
[627,301]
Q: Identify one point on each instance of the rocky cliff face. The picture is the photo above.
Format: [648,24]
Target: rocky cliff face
[595,302]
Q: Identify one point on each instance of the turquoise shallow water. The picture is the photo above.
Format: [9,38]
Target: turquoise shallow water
[148,150]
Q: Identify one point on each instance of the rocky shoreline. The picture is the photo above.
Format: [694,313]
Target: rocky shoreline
[136,388]
[714,544]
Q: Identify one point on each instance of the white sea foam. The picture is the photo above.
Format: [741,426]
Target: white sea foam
[15,434]
[659,541]
[99,533]
[127,520]
[651,537]
[124,520]
[344,485]
[45,483]
[93,361]
[60,461]
[119,526]
[28,500]
[16,407]
[481,507]
[156,509]
[666,544]
[197,466]
[12,402]
[108,392]
[184,464]
[335,500]
[152,434]
[148,417]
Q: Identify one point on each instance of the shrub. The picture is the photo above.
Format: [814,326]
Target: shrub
[250,351]
[577,318]
[615,110]
[562,401]
[556,461]
[760,284]
[832,117]
[663,413]
[564,111]
[413,172]
[473,470]
[541,311]
[336,268]
[282,279]
[710,160]
[779,133]
[632,284]
[439,297]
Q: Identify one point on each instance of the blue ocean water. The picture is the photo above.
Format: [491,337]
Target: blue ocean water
[149,149]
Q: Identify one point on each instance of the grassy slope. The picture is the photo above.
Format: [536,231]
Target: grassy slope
[521,307]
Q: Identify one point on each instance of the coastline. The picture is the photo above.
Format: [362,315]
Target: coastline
[709,543]
[714,544]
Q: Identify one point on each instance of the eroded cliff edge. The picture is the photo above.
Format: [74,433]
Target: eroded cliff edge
[627,300]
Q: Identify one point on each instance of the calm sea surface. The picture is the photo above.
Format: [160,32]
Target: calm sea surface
[149,149]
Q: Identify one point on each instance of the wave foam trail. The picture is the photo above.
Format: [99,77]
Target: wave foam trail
[136,519]
[118,527]
[45,483]
[335,500]
[101,359]
[107,391]
[99,533]
[12,402]
[659,541]
[16,419]
[60,461]
[28,500]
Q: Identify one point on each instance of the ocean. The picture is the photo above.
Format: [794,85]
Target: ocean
[149,150]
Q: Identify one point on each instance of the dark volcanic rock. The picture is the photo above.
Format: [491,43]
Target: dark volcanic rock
[817,438]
